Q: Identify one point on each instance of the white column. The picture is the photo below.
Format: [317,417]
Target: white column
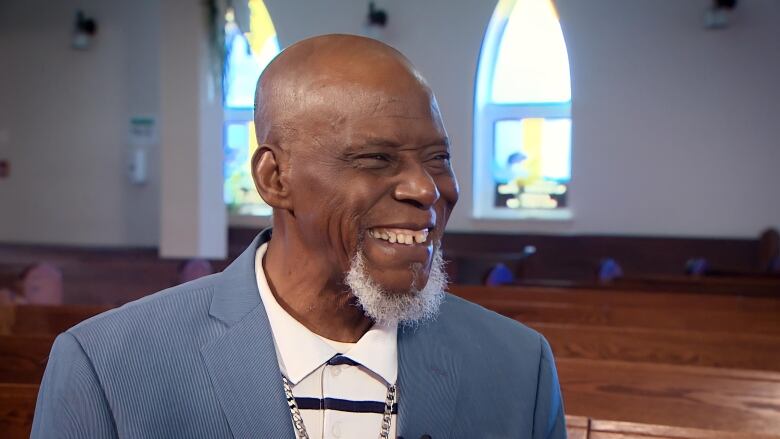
[193,218]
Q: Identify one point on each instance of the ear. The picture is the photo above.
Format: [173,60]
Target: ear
[269,178]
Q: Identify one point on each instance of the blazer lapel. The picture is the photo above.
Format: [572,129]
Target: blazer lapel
[428,379]
[242,361]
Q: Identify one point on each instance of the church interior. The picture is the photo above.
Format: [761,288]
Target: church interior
[617,162]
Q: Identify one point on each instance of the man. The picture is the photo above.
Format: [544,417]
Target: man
[335,325]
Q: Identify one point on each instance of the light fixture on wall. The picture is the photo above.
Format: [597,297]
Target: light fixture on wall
[376,20]
[376,17]
[717,16]
[84,31]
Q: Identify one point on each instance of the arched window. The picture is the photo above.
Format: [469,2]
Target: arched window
[246,55]
[522,115]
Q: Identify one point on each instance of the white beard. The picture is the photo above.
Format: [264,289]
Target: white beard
[407,309]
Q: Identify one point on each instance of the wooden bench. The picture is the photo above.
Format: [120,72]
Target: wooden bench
[755,322]
[17,406]
[711,349]
[630,309]
[38,319]
[577,427]
[598,429]
[621,297]
[23,358]
[681,396]
[745,285]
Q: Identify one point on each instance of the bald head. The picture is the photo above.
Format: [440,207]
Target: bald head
[318,76]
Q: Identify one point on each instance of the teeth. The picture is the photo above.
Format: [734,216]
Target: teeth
[400,236]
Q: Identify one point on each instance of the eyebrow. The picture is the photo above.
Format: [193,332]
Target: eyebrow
[384,142]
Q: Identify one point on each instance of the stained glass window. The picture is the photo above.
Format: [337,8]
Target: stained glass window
[246,55]
[522,127]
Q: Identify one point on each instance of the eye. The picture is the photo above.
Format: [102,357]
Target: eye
[373,160]
[442,157]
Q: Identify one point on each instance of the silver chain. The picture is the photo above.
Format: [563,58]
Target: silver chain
[297,419]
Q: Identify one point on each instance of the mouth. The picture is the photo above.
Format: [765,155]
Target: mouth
[401,236]
[407,234]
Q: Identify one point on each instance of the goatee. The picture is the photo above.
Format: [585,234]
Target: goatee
[409,308]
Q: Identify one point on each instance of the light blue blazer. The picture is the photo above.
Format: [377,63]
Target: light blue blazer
[198,361]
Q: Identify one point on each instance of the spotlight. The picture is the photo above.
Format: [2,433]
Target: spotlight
[376,17]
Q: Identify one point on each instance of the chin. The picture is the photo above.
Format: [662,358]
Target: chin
[405,283]
[406,297]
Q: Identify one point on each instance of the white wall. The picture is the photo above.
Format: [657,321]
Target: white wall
[64,121]
[674,130]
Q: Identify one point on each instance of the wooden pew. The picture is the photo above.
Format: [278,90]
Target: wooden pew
[577,427]
[630,309]
[711,349]
[39,319]
[17,406]
[756,322]
[767,286]
[599,429]
[23,358]
[622,297]
[681,396]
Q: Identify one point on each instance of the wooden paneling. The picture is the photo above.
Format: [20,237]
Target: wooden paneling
[576,257]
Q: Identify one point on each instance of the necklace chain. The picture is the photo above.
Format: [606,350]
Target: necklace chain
[300,428]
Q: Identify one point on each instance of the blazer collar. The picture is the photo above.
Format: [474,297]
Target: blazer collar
[242,361]
[237,293]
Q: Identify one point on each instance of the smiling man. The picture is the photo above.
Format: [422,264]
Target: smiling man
[334,324]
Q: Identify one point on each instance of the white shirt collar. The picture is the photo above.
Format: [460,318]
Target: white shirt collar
[301,351]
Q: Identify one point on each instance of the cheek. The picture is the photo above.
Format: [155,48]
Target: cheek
[332,214]
[449,190]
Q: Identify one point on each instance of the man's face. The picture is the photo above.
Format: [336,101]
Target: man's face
[372,173]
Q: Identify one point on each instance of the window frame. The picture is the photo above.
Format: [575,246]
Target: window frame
[486,114]
[242,116]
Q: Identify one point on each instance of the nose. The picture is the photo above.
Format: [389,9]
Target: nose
[417,187]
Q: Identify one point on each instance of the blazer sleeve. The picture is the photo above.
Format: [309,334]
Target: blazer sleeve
[549,420]
[71,403]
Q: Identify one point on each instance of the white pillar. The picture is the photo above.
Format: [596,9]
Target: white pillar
[193,217]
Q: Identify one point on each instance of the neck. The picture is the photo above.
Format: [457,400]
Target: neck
[302,284]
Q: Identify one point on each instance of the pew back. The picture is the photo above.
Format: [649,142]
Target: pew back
[17,406]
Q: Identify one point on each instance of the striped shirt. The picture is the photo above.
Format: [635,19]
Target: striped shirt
[340,387]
